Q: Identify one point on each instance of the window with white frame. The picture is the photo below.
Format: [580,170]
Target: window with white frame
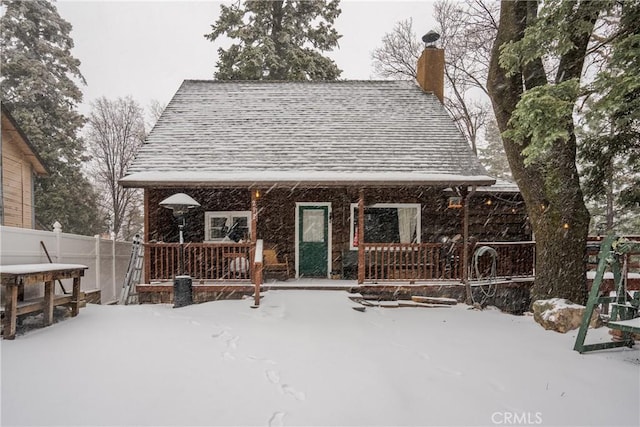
[226,226]
[387,223]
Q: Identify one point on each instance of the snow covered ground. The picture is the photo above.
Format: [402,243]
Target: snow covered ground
[306,358]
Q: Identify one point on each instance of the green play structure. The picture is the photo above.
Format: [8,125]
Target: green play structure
[624,307]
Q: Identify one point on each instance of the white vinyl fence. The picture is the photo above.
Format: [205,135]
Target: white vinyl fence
[107,259]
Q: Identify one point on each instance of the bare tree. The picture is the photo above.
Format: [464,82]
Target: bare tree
[115,130]
[154,111]
[397,58]
[467,31]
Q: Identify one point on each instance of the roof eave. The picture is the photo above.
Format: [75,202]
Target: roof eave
[441,181]
[28,148]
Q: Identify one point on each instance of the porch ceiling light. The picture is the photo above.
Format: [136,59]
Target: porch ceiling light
[455,202]
[179,203]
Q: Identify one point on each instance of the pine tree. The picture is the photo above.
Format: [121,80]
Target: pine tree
[38,85]
[492,155]
[277,40]
[610,145]
[534,106]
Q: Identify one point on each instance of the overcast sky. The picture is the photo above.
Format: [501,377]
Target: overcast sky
[147,48]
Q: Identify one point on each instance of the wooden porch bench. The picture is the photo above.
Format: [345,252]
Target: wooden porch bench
[272,266]
[14,276]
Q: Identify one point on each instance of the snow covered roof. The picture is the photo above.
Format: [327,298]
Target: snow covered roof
[247,133]
[501,186]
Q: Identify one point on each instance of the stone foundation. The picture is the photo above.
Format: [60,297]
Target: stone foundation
[510,297]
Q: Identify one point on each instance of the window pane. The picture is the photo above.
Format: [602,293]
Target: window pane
[381,225]
[239,229]
[313,223]
[241,221]
[218,221]
[227,225]
[388,224]
[218,227]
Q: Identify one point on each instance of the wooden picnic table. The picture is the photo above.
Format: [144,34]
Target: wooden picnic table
[14,276]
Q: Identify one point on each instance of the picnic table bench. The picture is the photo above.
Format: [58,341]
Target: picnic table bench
[14,276]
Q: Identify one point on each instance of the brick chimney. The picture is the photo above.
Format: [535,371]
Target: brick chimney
[430,73]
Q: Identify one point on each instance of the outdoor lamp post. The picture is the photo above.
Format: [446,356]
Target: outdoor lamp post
[180,204]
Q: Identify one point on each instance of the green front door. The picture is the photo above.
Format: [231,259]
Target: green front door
[313,240]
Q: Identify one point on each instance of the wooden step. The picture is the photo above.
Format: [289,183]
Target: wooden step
[400,303]
[416,301]
[406,303]
[434,300]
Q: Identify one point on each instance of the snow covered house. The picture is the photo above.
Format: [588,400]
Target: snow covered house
[19,164]
[366,179]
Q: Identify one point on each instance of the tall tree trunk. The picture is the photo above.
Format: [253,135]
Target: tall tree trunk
[551,191]
[609,185]
[277,70]
[610,196]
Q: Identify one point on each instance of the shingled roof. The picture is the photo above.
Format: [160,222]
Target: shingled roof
[245,133]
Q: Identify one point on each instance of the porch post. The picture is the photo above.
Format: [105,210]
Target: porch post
[466,196]
[147,223]
[361,270]
[255,194]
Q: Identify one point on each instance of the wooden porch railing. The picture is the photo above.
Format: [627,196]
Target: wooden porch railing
[383,262]
[435,261]
[412,261]
[202,261]
[515,259]
[631,259]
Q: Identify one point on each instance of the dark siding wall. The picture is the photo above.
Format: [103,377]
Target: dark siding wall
[503,220]
[499,217]
[164,228]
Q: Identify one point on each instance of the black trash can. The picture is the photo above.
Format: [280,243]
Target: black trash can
[182,291]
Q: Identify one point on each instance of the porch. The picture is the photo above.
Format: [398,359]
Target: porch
[377,236]
[391,271]
[406,234]
[233,263]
